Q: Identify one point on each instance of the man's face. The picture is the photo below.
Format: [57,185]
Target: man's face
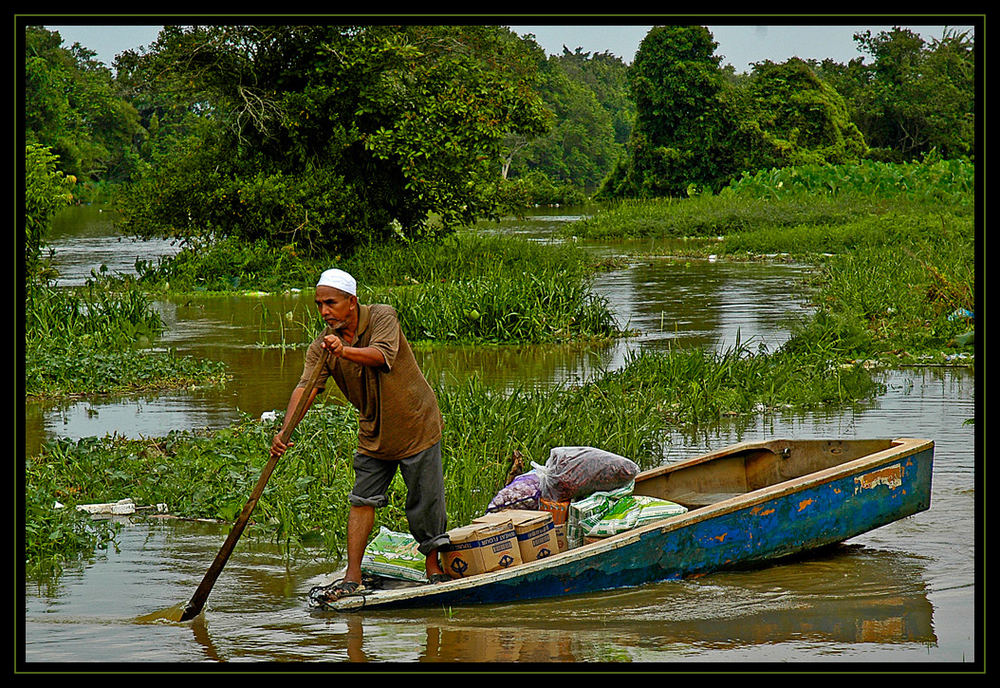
[335,307]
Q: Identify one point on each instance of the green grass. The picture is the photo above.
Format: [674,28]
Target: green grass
[629,412]
[894,247]
[465,288]
[95,341]
[54,536]
[712,216]
[825,197]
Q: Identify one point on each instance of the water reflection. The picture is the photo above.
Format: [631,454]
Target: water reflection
[851,598]
[902,592]
[84,239]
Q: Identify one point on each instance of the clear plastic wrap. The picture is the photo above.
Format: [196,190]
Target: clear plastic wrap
[573,472]
[523,492]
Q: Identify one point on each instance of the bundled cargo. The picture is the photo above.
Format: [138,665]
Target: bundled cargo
[536,534]
[574,472]
[480,548]
[394,555]
[585,513]
[632,511]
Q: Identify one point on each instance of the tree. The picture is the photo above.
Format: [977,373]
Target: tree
[698,127]
[330,136]
[46,190]
[790,116]
[580,147]
[681,124]
[71,107]
[914,96]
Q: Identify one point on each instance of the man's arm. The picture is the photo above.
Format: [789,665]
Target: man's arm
[364,355]
[277,446]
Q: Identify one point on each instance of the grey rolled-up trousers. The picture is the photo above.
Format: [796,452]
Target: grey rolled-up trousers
[423,476]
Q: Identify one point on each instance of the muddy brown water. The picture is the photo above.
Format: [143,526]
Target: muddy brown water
[902,594]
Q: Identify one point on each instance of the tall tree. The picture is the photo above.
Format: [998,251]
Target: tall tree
[790,116]
[580,148]
[913,96]
[71,106]
[681,118]
[330,136]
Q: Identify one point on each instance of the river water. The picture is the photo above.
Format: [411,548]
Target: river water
[901,595]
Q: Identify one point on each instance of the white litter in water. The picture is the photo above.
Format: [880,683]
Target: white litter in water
[120,508]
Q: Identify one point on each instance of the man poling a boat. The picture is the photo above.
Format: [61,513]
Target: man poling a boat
[399,421]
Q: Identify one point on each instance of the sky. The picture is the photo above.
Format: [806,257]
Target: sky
[739,45]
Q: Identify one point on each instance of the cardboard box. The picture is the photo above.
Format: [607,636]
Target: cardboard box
[561,539]
[480,548]
[536,535]
[559,510]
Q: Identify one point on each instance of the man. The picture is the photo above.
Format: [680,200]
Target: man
[399,421]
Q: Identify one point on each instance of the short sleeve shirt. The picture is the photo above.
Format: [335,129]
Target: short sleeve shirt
[398,413]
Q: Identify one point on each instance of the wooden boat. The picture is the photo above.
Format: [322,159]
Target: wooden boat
[749,504]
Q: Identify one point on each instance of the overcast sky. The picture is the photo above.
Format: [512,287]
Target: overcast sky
[740,45]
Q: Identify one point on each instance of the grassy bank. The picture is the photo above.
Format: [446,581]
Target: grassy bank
[469,287]
[210,475]
[826,198]
[95,341]
[894,249]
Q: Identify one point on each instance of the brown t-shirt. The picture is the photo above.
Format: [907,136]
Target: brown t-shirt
[398,413]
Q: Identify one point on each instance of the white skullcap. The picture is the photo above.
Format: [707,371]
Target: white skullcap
[338,279]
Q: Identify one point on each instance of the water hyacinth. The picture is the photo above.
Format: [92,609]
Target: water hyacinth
[627,412]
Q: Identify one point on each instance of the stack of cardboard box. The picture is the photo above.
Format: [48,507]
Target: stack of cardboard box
[499,540]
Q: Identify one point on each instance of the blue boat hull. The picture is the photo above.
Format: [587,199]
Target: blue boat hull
[785,519]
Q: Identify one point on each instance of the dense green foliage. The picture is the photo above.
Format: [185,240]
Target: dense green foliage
[267,131]
[72,106]
[328,136]
[793,118]
[593,116]
[46,190]
[913,97]
[208,475]
[681,121]
[947,182]
[698,129]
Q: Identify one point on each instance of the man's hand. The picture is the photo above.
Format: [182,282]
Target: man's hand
[364,355]
[278,447]
[334,344]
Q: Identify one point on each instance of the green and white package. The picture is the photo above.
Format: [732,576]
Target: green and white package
[586,512]
[633,511]
[394,555]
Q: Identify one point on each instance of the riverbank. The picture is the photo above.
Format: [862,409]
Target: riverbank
[925,272]
[894,247]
